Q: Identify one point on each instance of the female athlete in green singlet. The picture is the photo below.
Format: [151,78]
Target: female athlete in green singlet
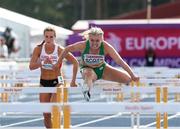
[93,66]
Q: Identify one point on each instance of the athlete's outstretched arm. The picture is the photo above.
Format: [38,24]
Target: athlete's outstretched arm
[118,59]
[71,48]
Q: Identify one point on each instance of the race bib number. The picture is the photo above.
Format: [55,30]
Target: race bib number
[60,80]
[91,59]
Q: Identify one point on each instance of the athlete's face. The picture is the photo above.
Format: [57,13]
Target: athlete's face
[95,41]
[49,36]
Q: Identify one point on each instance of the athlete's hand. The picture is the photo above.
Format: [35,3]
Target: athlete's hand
[135,78]
[73,83]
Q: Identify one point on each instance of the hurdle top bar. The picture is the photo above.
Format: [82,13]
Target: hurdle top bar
[95,90]
[93,107]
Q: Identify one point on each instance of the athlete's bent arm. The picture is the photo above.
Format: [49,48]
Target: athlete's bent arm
[34,63]
[75,63]
[71,48]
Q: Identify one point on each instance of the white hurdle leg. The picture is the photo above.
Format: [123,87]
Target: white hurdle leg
[138,120]
[132,120]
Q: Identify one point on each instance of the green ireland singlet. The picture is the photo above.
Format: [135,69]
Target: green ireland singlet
[92,59]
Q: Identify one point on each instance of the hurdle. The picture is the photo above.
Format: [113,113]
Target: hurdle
[165,100]
[61,97]
[4,96]
[160,91]
[67,109]
[18,81]
[167,90]
[62,93]
[135,97]
[91,108]
[158,114]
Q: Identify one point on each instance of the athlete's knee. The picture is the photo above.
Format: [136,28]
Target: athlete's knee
[88,74]
[47,120]
[47,115]
[127,79]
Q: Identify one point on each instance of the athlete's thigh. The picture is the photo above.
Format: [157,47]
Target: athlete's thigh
[88,72]
[113,74]
[45,97]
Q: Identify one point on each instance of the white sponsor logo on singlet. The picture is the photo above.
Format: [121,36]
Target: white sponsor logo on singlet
[101,68]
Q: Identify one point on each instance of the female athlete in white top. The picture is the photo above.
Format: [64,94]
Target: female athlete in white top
[45,56]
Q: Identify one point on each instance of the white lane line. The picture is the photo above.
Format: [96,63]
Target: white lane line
[96,116]
[14,116]
[151,124]
[24,122]
[97,120]
[170,117]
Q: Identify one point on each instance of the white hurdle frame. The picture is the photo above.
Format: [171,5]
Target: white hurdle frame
[75,105]
[91,108]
